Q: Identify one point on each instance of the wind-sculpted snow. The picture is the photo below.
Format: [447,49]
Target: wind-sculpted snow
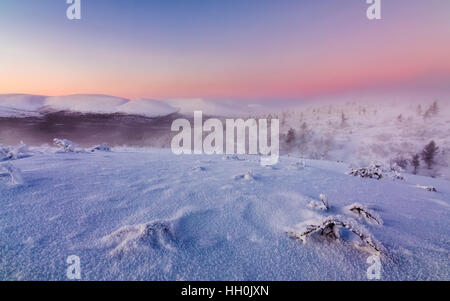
[157,234]
[150,215]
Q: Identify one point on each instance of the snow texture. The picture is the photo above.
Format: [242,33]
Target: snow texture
[145,214]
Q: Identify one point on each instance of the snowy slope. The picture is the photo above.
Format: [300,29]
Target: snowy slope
[151,215]
[85,103]
[20,105]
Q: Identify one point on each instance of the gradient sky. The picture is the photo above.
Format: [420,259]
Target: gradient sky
[223,48]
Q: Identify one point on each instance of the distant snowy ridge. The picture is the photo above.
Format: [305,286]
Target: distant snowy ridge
[22,105]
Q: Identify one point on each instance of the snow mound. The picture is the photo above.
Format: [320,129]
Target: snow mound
[155,234]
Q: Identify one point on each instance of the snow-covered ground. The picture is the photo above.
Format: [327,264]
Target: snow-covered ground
[151,215]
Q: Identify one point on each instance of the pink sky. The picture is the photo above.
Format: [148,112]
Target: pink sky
[239,51]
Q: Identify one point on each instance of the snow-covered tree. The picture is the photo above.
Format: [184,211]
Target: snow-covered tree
[343,120]
[290,137]
[415,161]
[419,110]
[433,110]
[428,154]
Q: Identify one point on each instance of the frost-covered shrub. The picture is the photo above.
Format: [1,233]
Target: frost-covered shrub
[329,228]
[247,176]
[393,174]
[374,171]
[298,165]
[13,172]
[65,145]
[320,205]
[101,148]
[362,212]
[427,188]
[156,234]
[232,157]
[14,152]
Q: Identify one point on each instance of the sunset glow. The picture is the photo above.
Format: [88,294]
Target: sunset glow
[222,49]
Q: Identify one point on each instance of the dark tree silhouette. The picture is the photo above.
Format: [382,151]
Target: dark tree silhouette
[343,120]
[428,154]
[415,162]
[290,137]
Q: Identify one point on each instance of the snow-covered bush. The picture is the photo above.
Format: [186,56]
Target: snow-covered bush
[362,212]
[320,205]
[65,145]
[232,157]
[198,168]
[247,176]
[374,171]
[101,148]
[14,152]
[329,228]
[13,172]
[298,165]
[427,188]
[393,174]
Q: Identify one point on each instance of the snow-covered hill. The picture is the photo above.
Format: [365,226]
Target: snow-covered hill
[148,214]
[22,105]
